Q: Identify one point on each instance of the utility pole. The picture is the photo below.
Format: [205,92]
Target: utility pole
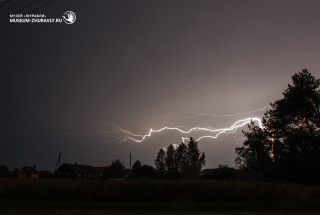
[130,161]
[58,165]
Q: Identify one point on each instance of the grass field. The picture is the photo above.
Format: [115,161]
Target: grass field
[199,195]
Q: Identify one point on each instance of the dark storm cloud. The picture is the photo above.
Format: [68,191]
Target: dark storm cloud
[129,62]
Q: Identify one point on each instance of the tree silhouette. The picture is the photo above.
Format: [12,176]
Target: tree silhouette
[116,170]
[294,124]
[136,166]
[256,151]
[291,132]
[181,157]
[185,161]
[171,163]
[194,162]
[134,171]
[160,162]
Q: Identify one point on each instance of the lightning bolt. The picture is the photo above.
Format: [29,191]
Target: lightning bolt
[219,116]
[233,128]
[124,135]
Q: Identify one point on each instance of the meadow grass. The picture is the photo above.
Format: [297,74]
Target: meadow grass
[156,195]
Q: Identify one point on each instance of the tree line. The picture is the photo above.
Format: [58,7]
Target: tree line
[182,161]
[179,161]
[287,146]
[117,170]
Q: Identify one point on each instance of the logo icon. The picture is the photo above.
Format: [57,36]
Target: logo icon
[69,17]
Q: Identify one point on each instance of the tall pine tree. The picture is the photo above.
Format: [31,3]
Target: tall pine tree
[291,133]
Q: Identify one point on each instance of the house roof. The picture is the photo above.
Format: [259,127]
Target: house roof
[28,170]
[101,169]
[43,173]
[146,171]
[79,169]
[146,168]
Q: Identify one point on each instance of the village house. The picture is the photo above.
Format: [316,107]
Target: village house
[147,171]
[101,170]
[249,175]
[67,170]
[44,174]
[221,173]
[28,172]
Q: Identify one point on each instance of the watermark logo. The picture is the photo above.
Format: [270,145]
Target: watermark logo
[69,17]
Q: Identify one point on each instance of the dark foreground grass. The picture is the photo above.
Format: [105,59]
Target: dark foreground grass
[199,195]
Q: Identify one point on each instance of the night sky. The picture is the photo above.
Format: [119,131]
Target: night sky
[141,65]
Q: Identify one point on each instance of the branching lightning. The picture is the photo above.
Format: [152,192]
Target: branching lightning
[220,116]
[124,135]
[214,132]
